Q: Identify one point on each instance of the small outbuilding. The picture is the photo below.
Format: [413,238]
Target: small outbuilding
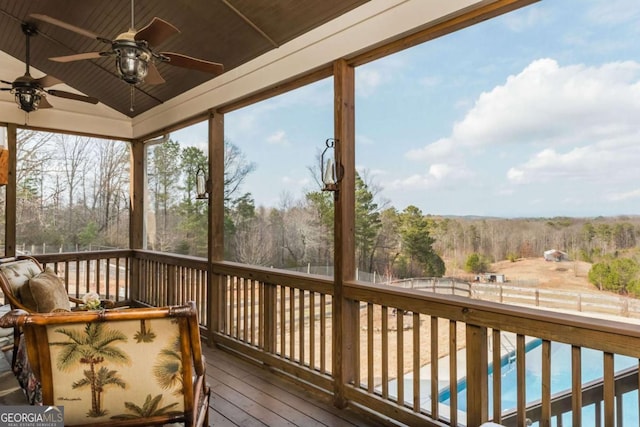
[555,255]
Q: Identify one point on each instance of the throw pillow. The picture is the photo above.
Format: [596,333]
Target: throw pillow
[26,297]
[49,293]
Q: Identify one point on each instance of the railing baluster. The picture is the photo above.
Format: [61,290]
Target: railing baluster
[282,329]
[400,355]
[239,286]
[107,279]
[608,390]
[434,367]
[232,289]
[385,352]
[323,333]
[477,401]
[521,379]
[312,330]
[97,277]
[87,275]
[453,372]
[301,330]
[253,305]
[248,336]
[292,324]
[416,362]
[261,319]
[496,351]
[546,384]
[370,365]
[576,386]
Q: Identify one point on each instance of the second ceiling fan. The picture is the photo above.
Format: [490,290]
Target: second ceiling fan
[134,51]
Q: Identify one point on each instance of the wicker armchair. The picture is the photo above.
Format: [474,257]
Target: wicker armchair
[138,366]
[26,285]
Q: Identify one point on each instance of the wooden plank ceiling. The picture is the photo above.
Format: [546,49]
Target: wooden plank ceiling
[230,32]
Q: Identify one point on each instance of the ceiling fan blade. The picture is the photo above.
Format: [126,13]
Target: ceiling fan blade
[44,103]
[77,57]
[66,26]
[47,81]
[5,88]
[6,82]
[184,61]
[74,96]
[157,31]
[153,75]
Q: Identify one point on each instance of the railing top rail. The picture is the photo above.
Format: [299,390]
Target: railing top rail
[600,334]
[84,255]
[310,282]
[174,259]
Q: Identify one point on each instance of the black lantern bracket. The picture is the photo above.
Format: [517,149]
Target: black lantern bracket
[331,171]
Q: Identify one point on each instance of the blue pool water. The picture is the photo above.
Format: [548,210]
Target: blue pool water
[592,362]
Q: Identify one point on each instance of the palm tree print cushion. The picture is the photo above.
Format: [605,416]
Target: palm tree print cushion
[116,370]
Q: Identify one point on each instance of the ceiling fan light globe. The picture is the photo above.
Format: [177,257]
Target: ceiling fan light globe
[27,99]
[131,66]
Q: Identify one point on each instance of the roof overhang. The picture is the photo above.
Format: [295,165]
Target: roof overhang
[355,33]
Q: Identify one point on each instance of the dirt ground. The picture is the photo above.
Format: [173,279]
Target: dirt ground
[563,275]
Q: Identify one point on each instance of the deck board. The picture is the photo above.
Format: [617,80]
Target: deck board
[243,394]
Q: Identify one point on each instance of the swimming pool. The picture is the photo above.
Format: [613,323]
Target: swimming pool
[592,362]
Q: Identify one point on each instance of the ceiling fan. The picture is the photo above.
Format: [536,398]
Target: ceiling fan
[135,57]
[30,93]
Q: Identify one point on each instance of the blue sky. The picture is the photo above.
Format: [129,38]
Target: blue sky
[531,114]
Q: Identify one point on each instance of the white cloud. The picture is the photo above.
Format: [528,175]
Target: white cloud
[438,175]
[371,76]
[278,138]
[548,105]
[607,161]
[367,80]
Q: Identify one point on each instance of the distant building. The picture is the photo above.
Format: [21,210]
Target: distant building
[555,255]
[490,278]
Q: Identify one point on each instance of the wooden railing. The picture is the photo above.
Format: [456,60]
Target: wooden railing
[406,347]
[626,381]
[104,272]
[168,279]
[281,318]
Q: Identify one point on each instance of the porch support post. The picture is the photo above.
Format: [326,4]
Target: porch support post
[11,191]
[215,284]
[136,215]
[477,379]
[345,312]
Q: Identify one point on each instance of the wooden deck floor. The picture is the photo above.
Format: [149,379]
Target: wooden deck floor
[243,394]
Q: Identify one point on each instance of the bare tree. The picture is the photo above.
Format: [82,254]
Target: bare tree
[74,155]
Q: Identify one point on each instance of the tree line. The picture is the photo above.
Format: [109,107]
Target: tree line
[74,192]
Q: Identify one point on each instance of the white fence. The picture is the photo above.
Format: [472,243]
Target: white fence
[601,302]
[525,294]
